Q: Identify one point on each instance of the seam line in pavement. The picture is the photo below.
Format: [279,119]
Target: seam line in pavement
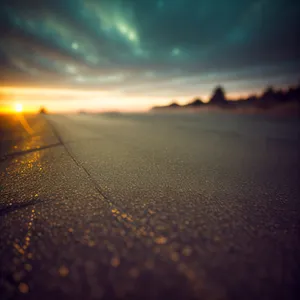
[90,177]
[19,153]
[166,250]
[76,161]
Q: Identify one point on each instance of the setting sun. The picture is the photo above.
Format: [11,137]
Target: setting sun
[19,107]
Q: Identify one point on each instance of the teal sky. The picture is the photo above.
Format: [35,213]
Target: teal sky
[149,50]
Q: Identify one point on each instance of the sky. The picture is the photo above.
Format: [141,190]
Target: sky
[133,54]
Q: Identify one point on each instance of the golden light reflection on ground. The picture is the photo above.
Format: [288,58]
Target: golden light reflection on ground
[22,262]
[23,255]
[160,244]
[25,124]
[164,247]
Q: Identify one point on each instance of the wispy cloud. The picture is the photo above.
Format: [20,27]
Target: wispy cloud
[153,48]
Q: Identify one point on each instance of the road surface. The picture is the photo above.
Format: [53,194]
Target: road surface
[153,206]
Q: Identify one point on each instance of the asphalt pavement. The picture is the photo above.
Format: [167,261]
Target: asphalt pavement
[149,206]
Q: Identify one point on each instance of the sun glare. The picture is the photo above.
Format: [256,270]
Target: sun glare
[19,107]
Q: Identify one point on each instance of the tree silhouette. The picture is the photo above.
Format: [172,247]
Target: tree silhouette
[267,98]
[43,110]
[174,104]
[196,102]
[218,97]
[268,93]
[293,93]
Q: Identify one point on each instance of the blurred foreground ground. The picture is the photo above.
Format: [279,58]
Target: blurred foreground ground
[153,206]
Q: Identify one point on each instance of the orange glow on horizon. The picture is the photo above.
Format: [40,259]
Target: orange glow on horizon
[71,100]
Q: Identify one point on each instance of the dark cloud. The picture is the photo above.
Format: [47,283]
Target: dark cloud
[149,46]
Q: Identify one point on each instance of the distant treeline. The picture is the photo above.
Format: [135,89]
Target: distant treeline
[268,99]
